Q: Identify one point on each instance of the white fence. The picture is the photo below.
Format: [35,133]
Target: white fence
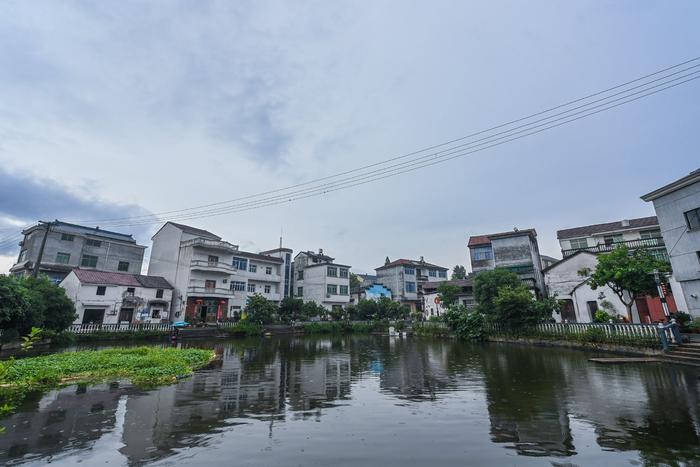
[93,328]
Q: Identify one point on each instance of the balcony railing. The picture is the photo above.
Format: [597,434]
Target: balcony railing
[214,291]
[657,242]
[212,266]
[212,244]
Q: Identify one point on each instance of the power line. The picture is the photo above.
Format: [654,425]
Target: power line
[316,192]
[422,150]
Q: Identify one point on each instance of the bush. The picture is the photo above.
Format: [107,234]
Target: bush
[261,310]
[682,318]
[244,328]
[466,324]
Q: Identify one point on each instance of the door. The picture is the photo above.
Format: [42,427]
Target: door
[126,315]
[592,308]
[93,316]
[568,314]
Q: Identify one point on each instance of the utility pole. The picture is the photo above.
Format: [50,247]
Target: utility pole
[47,227]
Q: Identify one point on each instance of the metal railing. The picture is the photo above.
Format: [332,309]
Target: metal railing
[656,242]
[94,328]
[664,335]
[202,263]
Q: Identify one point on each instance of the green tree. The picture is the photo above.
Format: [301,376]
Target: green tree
[515,307]
[464,323]
[355,281]
[628,273]
[51,307]
[367,310]
[261,310]
[488,283]
[291,309]
[448,294]
[15,305]
[459,272]
[313,310]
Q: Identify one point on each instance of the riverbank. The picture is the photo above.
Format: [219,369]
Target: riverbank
[144,366]
[579,345]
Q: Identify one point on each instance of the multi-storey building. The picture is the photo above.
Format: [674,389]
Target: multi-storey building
[643,232]
[213,279]
[67,246]
[284,254]
[319,279]
[433,305]
[406,277]
[116,298]
[516,250]
[677,206]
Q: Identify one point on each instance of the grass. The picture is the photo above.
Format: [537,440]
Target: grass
[242,328]
[344,327]
[144,366]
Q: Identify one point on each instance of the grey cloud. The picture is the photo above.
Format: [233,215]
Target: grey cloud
[27,199]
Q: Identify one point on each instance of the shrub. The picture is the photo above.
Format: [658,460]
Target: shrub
[682,318]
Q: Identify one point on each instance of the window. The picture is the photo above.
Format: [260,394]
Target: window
[332,271]
[91,242]
[62,258]
[442,274]
[482,253]
[611,239]
[592,308]
[251,288]
[212,259]
[130,291]
[89,261]
[343,273]
[238,286]
[343,290]
[155,314]
[123,266]
[159,293]
[409,271]
[411,287]
[332,289]
[101,290]
[578,243]
[67,237]
[209,284]
[659,254]
[300,275]
[698,253]
[253,268]
[432,273]
[240,263]
[23,256]
[645,234]
[268,270]
[692,218]
[268,288]
[300,291]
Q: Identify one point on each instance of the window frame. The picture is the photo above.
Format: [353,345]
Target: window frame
[93,243]
[238,261]
[159,293]
[442,274]
[432,272]
[238,286]
[300,291]
[300,275]
[252,268]
[267,288]
[482,253]
[343,273]
[101,290]
[84,257]
[412,286]
[408,270]
[577,241]
[333,288]
[332,268]
[695,225]
[268,270]
[251,286]
[343,290]
[119,266]
[66,255]
[66,237]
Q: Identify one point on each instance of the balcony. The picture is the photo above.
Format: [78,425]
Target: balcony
[211,244]
[212,266]
[657,242]
[209,291]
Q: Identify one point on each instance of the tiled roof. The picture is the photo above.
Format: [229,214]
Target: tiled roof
[195,231]
[478,240]
[588,230]
[89,276]
[410,262]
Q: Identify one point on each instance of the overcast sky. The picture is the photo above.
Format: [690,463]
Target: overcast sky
[116,108]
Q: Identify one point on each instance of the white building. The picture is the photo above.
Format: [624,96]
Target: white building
[406,278]
[319,279]
[579,301]
[433,306]
[677,207]
[643,232]
[116,298]
[213,279]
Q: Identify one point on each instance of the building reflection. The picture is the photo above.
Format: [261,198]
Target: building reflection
[534,398]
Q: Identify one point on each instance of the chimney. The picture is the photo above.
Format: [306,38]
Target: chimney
[422,260]
[320,251]
[625,222]
[386,261]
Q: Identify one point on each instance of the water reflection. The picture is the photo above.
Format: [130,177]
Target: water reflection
[528,401]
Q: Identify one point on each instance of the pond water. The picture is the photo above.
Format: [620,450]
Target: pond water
[372,400]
